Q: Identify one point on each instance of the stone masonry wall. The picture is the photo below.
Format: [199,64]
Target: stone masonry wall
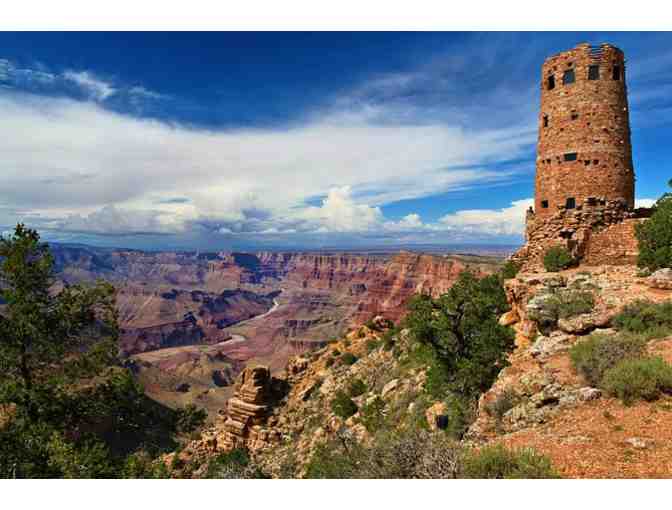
[594,234]
[583,149]
[616,243]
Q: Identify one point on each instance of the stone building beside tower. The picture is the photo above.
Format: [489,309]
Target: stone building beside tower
[585,181]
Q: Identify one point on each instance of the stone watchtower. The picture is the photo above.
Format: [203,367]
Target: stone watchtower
[584,156]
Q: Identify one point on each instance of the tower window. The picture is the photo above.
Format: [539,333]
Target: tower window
[594,72]
[544,204]
[574,116]
[592,201]
[568,77]
[570,156]
[550,84]
[616,73]
[570,203]
[545,120]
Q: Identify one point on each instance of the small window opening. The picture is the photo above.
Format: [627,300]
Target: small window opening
[568,77]
[594,72]
[592,201]
[544,204]
[570,203]
[545,120]
[596,162]
[575,115]
[570,156]
[586,162]
[616,73]
[550,83]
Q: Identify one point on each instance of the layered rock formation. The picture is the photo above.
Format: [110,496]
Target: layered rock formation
[247,410]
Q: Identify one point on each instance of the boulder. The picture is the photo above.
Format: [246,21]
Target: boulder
[588,393]
[661,279]
[584,323]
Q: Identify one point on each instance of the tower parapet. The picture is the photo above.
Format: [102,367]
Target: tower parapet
[584,153]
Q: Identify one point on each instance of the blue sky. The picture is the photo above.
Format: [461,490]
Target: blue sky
[250,140]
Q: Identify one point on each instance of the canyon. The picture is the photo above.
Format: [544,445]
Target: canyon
[190,322]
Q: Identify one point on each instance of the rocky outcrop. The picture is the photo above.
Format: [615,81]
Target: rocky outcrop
[247,411]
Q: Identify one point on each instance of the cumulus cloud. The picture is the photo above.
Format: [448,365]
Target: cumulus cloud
[506,221]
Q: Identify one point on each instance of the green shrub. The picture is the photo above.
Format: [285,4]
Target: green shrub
[371,345]
[556,259]
[335,353]
[461,413]
[499,462]
[655,236]
[594,356]
[372,325]
[328,461]
[372,415]
[509,270]
[389,339]
[356,388]
[190,418]
[342,405]
[645,317]
[573,303]
[461,328]
[634,379]
[348,358]
[235,464]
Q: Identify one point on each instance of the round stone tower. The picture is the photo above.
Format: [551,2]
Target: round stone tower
[584,155]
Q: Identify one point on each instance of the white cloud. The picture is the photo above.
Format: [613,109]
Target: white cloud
[241,180]
[506,221]
[645,202]
[97,88]
[340,213]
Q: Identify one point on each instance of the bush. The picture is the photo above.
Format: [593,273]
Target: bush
[348,358]
[461,413]
[655,236]
[389,339]
[412,454]
[235,464]
[594,356]
[556,259]
[499,462]
[190,418]
[573,303]
[335,353]
[645,317]
[372,415]
[357,387]
[509,270]
[460,328]
[342,405]
[634,379]
[371,345]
